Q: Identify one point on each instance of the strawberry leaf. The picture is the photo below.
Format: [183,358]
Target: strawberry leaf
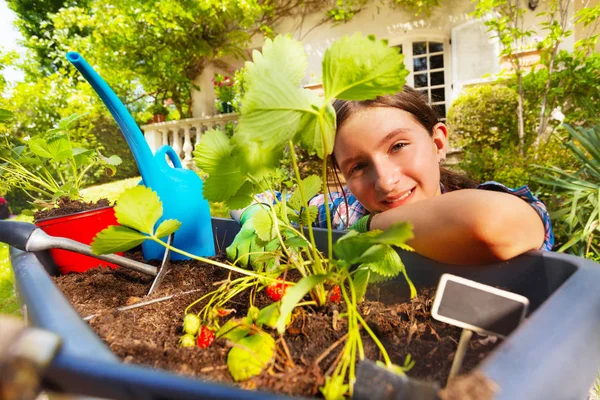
[167,227]
[396,235]
[311,185]
[262,221]
[284,55]
[310,134]
[214,147]
[235,329]
[139,208]
[293,295]
[57,150]
[116,238]
[361,281]
[361,68]
[269,315]
[250,356]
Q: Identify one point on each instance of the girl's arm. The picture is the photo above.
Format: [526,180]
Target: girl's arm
[469,226]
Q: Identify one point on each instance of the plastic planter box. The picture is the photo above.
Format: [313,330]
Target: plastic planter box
[554,354]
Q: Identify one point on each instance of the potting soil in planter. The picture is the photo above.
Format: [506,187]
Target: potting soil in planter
[149,334]
[66,206]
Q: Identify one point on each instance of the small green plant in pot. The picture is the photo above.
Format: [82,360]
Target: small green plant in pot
[159,112]
[276,114]
[50,170]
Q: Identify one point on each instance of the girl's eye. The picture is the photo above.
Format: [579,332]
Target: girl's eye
[356,168]
[398,146]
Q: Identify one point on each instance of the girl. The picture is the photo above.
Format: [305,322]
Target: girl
[389,151]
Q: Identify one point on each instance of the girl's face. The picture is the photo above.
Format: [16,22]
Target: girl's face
[388,158]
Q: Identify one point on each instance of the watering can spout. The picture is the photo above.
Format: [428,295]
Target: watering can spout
[135,139]
[179,189]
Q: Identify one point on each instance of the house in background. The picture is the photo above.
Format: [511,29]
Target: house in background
[444,53]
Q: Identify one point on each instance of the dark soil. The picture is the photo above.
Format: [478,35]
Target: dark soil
[67,206]
[149,334]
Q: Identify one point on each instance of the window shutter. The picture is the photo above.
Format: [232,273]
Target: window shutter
[474,53]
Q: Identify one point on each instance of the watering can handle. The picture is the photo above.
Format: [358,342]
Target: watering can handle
[169,152]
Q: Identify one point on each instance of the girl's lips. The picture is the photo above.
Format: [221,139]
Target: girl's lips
[399,200]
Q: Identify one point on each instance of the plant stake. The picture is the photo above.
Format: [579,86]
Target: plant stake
[476,307]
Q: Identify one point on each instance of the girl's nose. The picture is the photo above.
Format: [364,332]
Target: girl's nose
[387,176]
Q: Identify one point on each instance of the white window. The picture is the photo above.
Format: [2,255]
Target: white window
[428,61]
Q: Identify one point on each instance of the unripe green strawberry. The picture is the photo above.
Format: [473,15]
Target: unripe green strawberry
[191,324]
[187,340]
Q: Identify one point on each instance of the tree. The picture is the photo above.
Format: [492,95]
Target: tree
[34,21]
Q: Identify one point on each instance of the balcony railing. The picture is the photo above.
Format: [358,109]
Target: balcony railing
[183,135]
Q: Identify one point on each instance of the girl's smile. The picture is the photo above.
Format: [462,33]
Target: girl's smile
[388,158]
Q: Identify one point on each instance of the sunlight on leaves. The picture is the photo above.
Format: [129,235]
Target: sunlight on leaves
[139,208]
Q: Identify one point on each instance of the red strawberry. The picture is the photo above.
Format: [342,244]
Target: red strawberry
[335,294]
[205,337]
[276,290]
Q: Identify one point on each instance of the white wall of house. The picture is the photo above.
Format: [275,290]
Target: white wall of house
[443,52]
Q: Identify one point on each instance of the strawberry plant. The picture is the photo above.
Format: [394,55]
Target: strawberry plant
[276,115]
[50,166]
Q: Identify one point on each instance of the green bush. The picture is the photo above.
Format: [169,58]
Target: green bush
[483,121]
[484,116]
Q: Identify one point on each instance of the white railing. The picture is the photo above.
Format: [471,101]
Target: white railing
[184,135]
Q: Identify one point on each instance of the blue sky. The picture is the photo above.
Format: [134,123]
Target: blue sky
[9,36]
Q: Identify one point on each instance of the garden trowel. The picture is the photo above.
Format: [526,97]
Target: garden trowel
[374,382]
[28,237]
[179,189]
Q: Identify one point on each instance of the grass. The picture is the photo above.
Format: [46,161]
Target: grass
[8,300]
[113,190]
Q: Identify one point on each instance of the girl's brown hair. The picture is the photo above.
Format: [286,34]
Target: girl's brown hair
[415,103]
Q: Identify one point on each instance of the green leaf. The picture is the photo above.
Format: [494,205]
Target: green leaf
[5,115]
[270,314]
[167,227]
[225,182]
[213,148]
[359,68]
[82,156]
[309,215]
[252,354]
[293,295]
[262,221]
[242,198]
[296,242]
[283,55]
[273,105]
[353,244]
[235,329]
[361,281]
[396,235]
[56,150]
[317,132]
[139,208]
[311,185]
[116,238]
[383,259]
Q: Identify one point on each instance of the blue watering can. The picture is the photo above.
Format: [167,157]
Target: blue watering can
[180,190]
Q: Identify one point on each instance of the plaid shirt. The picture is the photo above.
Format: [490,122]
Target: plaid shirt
[346,212]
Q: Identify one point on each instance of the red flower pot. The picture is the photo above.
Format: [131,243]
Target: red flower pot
[158,118]
[82,227]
